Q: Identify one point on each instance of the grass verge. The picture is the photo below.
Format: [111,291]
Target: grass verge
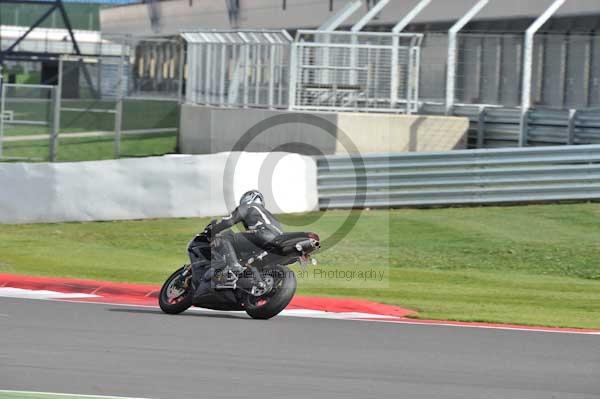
[537,265]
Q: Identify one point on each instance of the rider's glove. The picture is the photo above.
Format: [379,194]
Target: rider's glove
[208,232]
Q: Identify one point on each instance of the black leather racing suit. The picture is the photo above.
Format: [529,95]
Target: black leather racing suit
[261,228]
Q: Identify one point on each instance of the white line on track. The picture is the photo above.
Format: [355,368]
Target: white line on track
[9,292]
[72,395]
[364,317]
[491,327]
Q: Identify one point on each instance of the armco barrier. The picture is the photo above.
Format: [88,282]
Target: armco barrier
[460,177]
[495,127]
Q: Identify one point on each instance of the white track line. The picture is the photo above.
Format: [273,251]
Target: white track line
[9,292]
[73,395]
[364,317]
[490,327]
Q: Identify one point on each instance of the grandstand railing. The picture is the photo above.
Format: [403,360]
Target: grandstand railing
[518,175]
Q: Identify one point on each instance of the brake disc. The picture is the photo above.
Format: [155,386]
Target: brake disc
[267,286]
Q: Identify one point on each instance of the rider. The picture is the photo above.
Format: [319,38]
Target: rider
[261,229]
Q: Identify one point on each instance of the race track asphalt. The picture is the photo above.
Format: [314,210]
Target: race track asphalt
[128,351]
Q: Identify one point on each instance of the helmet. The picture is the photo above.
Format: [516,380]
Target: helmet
[251,197]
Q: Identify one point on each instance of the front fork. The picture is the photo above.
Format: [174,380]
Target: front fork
[186,276]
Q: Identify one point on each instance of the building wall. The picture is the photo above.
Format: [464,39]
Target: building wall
[177,15]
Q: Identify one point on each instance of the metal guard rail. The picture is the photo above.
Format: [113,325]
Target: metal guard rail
[517,175]
[499,127]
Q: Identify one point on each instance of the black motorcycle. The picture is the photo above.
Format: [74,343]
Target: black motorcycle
[263,289]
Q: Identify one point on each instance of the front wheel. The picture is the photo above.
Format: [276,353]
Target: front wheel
[176,293]
[282,283]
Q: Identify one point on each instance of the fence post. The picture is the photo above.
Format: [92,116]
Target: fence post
[399,27]
[246,73]
[395,79]
[524,128]
[56,100]
[222,72]
[118,126]
[119,105]
[180,71]
[528,65]
[293,79]
[2,97]
[271,94]
[481,127]
[452,48]
[571,127]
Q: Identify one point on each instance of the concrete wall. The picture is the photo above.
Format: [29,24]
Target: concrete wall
[206,130]
[175,186]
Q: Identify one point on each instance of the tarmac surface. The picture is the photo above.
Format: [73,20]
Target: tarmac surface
[101,349]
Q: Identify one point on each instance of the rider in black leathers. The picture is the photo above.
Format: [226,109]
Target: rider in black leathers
[261,229]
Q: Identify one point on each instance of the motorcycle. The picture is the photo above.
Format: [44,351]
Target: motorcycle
[263,289]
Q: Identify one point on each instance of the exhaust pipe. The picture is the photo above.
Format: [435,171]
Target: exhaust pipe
[308,245]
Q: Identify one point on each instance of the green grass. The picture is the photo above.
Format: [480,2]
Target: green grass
[535,265]
[93,148]
[137,114]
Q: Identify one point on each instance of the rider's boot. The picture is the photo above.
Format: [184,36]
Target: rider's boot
[228,276]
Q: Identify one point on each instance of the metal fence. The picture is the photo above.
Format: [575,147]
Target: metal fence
[242,68]
[460,177]
[28,111]
[129,101]
[355,71]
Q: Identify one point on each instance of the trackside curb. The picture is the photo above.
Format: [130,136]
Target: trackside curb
[145,294]
[91,291]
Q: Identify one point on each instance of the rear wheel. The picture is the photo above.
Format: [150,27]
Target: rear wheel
[176,293]
[282,283]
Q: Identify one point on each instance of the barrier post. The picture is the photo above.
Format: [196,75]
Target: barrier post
[481,127]
[571,127]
